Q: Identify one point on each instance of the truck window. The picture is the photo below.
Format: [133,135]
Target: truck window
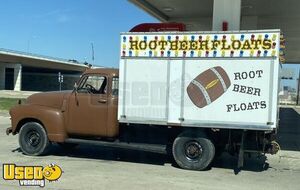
[93,84]
[115,86]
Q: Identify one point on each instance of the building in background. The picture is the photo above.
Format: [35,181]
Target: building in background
[30,72]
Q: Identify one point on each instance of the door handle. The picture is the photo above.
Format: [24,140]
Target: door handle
[102,101]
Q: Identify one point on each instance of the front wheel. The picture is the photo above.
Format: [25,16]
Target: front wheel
[33,139]
[193,150]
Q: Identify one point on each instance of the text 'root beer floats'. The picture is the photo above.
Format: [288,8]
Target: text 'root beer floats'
[206,45]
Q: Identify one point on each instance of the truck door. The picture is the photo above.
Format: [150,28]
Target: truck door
[87,113]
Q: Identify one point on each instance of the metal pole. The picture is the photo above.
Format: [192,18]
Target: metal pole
[93,53]
[298,88]
[59,80]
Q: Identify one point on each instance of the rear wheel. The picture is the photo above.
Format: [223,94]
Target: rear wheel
[193,150]
[33,139]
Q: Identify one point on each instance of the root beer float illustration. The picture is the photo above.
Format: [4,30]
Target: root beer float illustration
[208,86]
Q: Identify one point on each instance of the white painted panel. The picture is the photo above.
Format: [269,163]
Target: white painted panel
[121,97]
[146,89]
[175,91]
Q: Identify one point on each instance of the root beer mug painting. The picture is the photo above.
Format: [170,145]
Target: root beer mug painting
[208,86]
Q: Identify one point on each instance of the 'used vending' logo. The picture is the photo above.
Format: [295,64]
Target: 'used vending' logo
[31,175]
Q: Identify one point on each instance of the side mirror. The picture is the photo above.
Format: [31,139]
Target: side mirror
[75,87]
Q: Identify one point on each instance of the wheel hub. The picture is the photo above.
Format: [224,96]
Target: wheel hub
[193,150]
[33,138]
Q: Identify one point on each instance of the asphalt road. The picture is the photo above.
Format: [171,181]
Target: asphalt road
[95,167]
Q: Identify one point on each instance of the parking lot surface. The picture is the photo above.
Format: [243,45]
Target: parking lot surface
[96,167]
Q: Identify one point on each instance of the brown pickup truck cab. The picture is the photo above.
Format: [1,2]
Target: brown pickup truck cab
[90,110]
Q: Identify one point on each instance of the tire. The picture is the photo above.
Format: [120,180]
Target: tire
[192,150]
[33,139]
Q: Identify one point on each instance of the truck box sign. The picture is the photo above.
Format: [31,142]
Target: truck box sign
[244,44]
[209,79]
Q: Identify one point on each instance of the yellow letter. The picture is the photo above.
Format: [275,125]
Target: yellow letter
[8,171]
[19,172]
[28,172]
[38,172]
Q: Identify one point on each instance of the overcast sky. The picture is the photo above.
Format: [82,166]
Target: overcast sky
[66,28]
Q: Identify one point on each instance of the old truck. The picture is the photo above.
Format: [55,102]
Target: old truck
[190,94]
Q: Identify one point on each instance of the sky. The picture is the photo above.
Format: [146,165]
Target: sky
[66,28]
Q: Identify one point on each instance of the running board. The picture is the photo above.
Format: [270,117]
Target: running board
[116,144]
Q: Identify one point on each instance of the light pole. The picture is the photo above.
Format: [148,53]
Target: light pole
[60,80]
[93,53]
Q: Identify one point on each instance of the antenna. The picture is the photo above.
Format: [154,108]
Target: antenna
[93,55]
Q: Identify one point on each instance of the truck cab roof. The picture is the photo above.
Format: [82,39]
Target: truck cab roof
[107,71]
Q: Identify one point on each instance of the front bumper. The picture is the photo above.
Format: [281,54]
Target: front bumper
[8,130]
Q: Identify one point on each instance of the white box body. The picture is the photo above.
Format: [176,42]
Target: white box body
[154,81]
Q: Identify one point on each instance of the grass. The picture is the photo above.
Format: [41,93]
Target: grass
[7,103]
